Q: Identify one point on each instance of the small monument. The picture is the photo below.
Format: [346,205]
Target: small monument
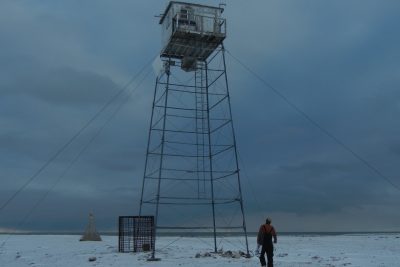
[91,233]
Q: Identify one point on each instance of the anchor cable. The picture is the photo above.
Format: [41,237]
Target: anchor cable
[73,138]
[80,153]
[316,124]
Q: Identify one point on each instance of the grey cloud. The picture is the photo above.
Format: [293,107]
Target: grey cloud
[321,187]
[120,161]
[395,149]
[317,169]
[68,213]
[63,86]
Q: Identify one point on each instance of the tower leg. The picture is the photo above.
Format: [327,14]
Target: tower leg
[211,161]
[236,156]
[148,147]
[162,157]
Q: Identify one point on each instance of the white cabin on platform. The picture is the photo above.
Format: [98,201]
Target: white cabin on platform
[191,30]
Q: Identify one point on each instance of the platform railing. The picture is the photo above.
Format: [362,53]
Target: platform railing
[199,24]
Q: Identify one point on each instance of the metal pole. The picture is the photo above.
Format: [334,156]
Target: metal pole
[167,71]
[148,146]
[196,130]
[210,158]
[236,156]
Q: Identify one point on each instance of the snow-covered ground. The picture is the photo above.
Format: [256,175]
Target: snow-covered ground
[336,250]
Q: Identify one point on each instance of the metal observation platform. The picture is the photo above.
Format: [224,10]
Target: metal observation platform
[191,180]
[191,31]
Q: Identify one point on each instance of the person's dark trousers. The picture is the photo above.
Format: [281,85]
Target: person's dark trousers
[269,249]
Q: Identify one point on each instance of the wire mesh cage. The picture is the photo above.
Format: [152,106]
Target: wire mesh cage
[136,233]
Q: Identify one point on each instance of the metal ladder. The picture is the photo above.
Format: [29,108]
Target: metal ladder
[201,129]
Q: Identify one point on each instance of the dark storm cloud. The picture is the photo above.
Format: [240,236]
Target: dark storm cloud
[395,150]
[326,186]
[49,105]
[123,159]
[336,61]
[62,86]
[61,212]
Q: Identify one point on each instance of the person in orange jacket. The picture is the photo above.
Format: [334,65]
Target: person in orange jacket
[264,239]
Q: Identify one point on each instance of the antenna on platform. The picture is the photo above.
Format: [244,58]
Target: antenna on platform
[191,178]
[222,5]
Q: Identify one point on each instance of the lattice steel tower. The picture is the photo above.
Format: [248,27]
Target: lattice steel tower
[191,178]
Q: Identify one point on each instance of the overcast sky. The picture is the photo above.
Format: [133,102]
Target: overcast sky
[337,61]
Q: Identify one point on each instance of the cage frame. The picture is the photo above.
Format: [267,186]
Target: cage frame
[136,232]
